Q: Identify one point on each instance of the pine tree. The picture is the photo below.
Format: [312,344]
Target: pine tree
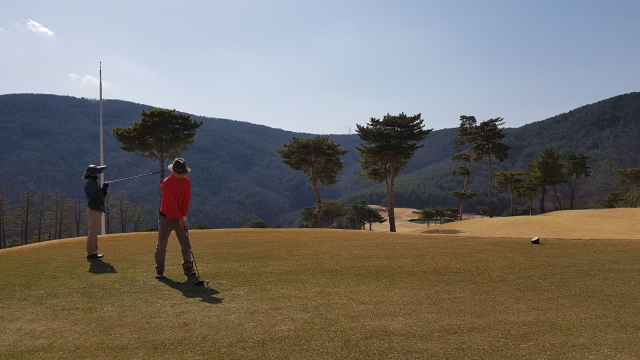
[547,169]
[466,136]
[318,158]
[488,145]
[388,146]
[160,134]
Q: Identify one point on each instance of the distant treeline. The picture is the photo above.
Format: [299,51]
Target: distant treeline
[29,216]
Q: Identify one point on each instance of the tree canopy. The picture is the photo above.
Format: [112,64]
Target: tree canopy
[160,134]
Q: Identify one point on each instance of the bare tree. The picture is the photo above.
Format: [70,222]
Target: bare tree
[5,210]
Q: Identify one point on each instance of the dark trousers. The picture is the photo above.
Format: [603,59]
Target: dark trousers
[165,226]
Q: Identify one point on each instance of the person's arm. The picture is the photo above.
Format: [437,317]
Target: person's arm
[187,199]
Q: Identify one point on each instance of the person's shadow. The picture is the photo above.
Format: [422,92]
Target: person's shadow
[97,266]
[190,290]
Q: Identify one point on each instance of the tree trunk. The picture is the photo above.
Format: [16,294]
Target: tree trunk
[573,190]
[490,177]
[557,198]
[511,192]
[392,216]
[315,189]
[466,181]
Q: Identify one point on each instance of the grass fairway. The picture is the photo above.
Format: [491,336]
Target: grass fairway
[323,294]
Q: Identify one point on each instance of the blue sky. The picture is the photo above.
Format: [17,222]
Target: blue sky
[324,66]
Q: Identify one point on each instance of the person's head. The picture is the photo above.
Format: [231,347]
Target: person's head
[179,168]
[94,171]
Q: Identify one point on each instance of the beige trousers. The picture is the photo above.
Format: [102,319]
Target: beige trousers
[165,226]
[94,219]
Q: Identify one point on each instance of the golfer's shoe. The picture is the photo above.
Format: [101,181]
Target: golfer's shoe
[159,275]
[95,256]
[189,273]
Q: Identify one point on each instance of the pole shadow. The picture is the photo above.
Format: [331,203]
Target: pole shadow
[97,266]
[190,290]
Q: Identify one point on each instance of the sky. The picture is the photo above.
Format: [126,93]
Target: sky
[322,67]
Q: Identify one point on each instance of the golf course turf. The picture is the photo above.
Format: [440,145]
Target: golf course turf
[323,294]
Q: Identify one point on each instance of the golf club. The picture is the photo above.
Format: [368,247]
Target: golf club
[200,282]
[132,177]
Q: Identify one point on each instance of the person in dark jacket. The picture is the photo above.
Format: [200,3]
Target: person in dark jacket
[95,207]
[174,207]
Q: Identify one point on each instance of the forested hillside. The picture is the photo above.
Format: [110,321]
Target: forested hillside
[46,141]
[607,131]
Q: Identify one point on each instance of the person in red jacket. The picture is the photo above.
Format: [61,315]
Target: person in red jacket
[174,207]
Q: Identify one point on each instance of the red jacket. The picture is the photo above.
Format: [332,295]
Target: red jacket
[176,195]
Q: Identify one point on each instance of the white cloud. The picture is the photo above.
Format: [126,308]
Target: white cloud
[3,30]
[87,79]
[39,29]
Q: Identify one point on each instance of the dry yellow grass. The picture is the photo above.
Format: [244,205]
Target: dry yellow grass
[567,224]
[623,223]
[323,294]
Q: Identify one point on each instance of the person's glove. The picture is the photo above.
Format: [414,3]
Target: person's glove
[105,186]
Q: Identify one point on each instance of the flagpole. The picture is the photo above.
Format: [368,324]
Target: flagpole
[101,146]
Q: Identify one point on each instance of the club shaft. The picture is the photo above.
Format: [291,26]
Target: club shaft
[132,177]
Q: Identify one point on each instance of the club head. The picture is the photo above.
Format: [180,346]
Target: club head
[200,283]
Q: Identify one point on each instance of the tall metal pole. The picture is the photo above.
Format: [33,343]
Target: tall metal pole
[101,146]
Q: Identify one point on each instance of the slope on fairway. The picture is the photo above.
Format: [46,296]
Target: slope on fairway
[622,223]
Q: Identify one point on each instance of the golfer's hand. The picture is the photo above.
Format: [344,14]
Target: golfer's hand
[105,185]
[182,222]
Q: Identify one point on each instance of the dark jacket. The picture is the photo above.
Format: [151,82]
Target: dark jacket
[95,194]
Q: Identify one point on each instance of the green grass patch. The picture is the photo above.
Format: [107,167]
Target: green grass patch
[323,294]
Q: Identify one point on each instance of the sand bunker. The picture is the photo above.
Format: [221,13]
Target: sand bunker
[566,224]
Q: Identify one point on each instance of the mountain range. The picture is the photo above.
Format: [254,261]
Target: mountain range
[46,142]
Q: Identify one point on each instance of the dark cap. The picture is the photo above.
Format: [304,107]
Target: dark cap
[93,170]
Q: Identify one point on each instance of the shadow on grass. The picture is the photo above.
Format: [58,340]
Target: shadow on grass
[100,267]
[190,290]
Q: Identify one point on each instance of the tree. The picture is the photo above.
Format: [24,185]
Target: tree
[547,169]
[509,180]
[631,178]
[140,217]
[488,144]
[359,214]
[372,216]
[331,211]
[318,158]
[5,210]
[576,167]
[614,200]
[389,145]
[527,189]
[427,214]
[310,216]
[466,136]
[27,204]
[257,224]
[160,134]
[483,211]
